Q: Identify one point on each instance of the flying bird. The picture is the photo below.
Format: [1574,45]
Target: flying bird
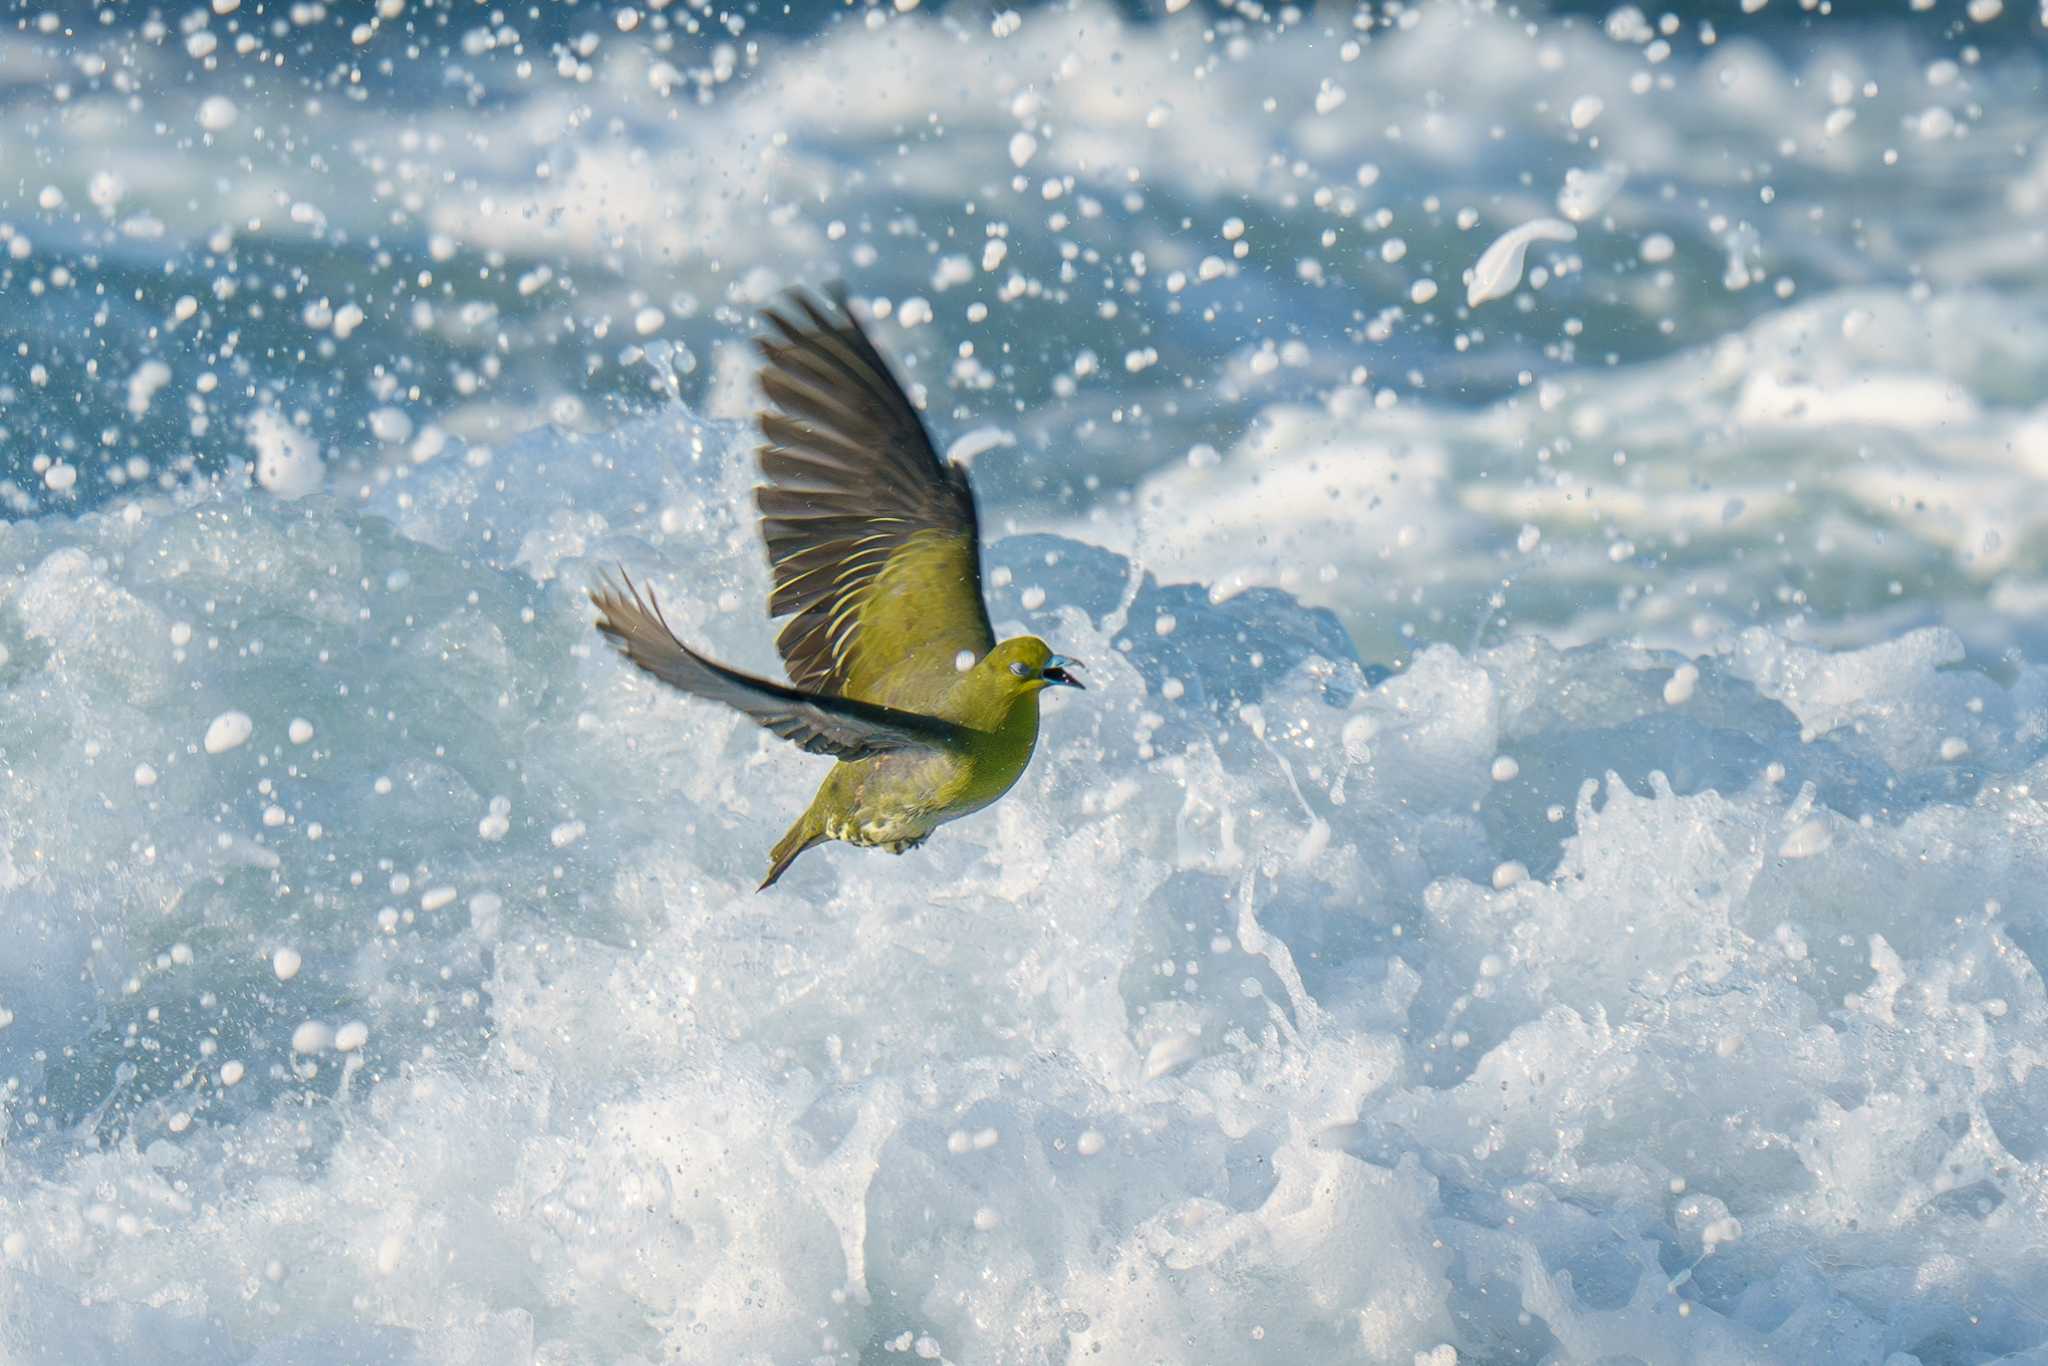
[876,557]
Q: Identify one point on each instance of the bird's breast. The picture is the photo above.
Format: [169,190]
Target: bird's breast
[914,790]
[997,758]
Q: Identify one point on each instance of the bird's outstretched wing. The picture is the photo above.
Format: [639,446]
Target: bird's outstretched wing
[838,726]
[872,538]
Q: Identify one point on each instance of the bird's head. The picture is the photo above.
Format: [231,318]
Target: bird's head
[1028,665]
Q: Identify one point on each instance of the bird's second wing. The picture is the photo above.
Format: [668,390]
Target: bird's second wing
[838,726]
[872,538]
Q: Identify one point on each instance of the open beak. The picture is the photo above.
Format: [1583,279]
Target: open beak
[1055,671]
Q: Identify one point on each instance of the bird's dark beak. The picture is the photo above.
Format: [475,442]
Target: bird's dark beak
[1055,671]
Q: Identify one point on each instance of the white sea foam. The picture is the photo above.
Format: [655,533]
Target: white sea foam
[1300,1025]
[1916,462]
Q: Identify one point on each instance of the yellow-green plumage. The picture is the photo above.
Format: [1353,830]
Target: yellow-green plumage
[876,557]
[894,801]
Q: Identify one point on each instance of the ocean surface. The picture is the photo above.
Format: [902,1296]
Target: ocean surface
[1552,865]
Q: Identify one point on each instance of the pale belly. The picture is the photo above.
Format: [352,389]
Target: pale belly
[876,809]
[893,833]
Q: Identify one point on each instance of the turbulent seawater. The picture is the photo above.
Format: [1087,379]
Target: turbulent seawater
[1549,869]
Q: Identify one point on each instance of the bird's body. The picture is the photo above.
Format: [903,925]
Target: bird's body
[894,801]
[877,560]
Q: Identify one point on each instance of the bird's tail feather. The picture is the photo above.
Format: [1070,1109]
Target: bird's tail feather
[801,836]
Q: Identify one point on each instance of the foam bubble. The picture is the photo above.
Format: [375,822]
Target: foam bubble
[229,730]
[287,460]
[1498,271]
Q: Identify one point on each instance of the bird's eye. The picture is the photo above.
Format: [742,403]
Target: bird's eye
[1021,669]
